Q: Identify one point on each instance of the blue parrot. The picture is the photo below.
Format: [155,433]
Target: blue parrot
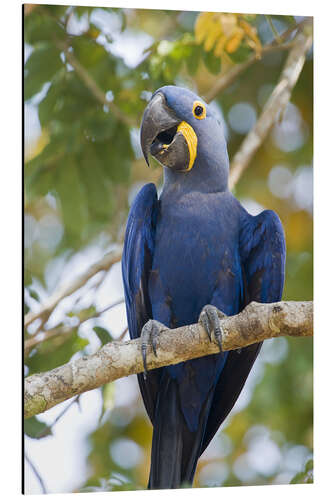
[193,253]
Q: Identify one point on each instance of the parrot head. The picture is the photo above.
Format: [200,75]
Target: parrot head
[183,134]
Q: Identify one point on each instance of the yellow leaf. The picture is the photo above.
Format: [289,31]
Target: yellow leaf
[214,33]
[234,42]
[202,25]
[224,33]
[220,46]
[228,23]
[251,32]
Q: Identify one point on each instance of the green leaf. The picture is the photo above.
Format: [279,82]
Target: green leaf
[290,20]
[172,68]
[309,466]
[88,52]
[241,54]
[192,62]
[34,294]
[55,352]
[27,276]
[100,126]
[42,65]
[40,26]
[84,314]
[80,11]
[36,429]
[109,391]
[57,170]
[53,100]
[116,156]
[103,334]
[41,170]
[62,104]
[213,63]
[98,195]
[71,192]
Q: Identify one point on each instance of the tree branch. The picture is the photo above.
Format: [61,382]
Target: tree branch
[49,305]
[116,359]
[97,92]
[273,107]
[40,337]
[85,76]
[228,78]
[37,474]
[274,30]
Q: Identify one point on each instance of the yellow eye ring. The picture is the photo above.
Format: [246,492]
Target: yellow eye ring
[199,110]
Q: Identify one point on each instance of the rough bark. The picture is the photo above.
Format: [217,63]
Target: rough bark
[116,359]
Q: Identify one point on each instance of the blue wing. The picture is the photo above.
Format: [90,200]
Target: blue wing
[136,266]
[263,252]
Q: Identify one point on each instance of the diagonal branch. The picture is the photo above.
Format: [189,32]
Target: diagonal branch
[95,89]
[230,76]
[273,107]
[37,474]
[49,305]
[40,337]
[85,76]
[120,359]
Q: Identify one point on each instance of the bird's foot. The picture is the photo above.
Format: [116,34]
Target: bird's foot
[149,335]
[210,318]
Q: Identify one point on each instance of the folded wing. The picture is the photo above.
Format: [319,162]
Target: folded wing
[136,265]
[262,251]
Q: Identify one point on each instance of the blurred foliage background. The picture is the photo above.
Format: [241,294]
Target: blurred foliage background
[88,75]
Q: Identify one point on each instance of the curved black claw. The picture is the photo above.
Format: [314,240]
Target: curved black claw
[149,334]
[210,318]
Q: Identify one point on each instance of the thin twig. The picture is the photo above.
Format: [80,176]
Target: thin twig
[228,78]
[35,340]
[275,105]
[35,471]
[85,76]
[61,414]
[123,333]
[274,30]
[97,92]
[119,359]
[29,344]
[49,305]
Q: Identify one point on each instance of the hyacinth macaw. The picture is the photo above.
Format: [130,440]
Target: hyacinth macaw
[193,253]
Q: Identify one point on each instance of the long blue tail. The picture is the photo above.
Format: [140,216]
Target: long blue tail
[175,450]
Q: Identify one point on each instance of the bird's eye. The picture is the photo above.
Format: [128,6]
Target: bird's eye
[199,110]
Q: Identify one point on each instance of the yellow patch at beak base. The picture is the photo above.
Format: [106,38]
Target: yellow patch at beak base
[191,140]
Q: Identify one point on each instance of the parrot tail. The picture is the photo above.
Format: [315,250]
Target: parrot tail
[175,450]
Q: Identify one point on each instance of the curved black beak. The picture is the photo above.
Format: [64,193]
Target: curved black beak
[157,118]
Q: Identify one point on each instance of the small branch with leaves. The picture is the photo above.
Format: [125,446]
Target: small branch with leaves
[96,91]
[50,304]
[65,331]
[115,360]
